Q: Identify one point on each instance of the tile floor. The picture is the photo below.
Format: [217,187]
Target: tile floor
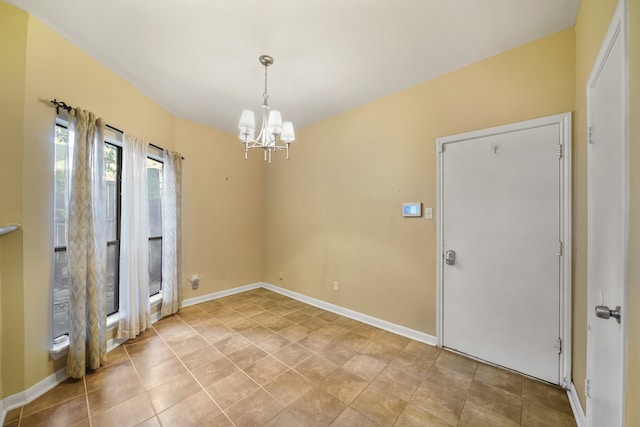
[260,358]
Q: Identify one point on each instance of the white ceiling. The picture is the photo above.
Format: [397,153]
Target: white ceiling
[199,58]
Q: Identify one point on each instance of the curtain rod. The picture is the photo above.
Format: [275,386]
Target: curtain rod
[68,108]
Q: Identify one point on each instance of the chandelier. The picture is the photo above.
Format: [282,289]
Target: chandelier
[274,134]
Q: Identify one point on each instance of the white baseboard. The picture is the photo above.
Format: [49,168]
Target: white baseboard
[220,294]
[364,318]
[576,406]
[32,393]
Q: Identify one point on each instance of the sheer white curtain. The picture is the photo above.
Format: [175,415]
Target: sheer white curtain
[171,224]
[86,244]
[135,310]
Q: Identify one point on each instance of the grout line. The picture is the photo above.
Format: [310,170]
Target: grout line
[86,398]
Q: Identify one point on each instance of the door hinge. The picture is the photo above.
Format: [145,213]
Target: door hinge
[560,248]
[559,151]
[441,148]
[590,135]
[559,345]
[587,387]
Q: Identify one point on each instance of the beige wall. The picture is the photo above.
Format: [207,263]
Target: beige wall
[13,38]
[334,211]
[591,26]
[222,229]
[222,210]
[633,354]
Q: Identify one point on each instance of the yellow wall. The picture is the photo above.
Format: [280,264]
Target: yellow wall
[591,26]
[633,353]
[38,65]
[13,37]
[334,211]
[222,210]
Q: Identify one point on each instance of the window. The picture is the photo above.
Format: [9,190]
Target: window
[154,191]
[113,176]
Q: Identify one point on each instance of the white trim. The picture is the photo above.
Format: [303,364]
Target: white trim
[32,393]
[617,26]
[564,122]
[364,318]
[3,413]
[215,295]
[576,406]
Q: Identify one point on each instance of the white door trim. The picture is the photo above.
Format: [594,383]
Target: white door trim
[617,27]
[564,122]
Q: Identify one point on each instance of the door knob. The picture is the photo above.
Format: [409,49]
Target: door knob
[603,312]
[450,257]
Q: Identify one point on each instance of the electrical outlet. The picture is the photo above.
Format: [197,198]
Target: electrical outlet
[281,275]
[195,281]
[336,287]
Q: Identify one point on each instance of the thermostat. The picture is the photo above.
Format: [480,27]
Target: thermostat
[412,209]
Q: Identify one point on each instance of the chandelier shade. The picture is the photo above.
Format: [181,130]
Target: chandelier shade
[274,134]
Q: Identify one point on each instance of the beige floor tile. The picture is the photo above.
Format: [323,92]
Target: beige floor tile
[170,393]
[496,400]
[317,407]
[377,404]
[366,367]
[130,412]
[67,390]
[380,350]
[110,377]
[151,422]
[312,323]
[478,416]
[265,369]
[188,344]
[411,365]
[285,419]
[457,362]
[257,333]
[247,356]
[297,316]
[545,395]
[397,382]
[351,418]
[422,350]
[66,413]
[441,399]
[273,343]
[288,387]
[201,357]
[412,416]
[162,373]
[295,332]
[316,368]
[257,409]
[292,354]
[193,411]
[542,416]
[498,377]
[231,389]
[214,371]
[104,398]
[232,344]
[344,385]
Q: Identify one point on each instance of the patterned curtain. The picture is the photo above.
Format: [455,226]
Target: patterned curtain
[134,310]
[87,244]
[171,225]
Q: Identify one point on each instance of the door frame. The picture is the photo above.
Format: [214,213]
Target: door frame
[617,27]
[564,123]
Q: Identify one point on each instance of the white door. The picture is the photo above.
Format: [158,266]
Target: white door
[607,228]
[501,200]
